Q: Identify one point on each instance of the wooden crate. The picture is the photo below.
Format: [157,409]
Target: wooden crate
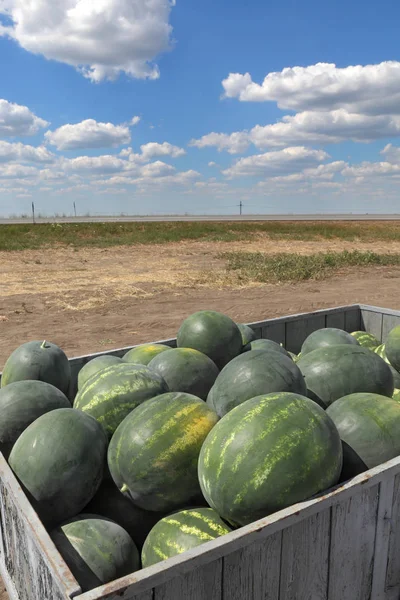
[342,545]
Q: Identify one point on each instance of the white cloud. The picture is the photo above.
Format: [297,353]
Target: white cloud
[88,134]
[391,153]
[17,171]
[212,164]
[134,121]
[101,39]
[372,169]
[369,89]
[165,149]
[94,164]
[18,120]
[17,152]
[276,163]
[234,143]
[156,169]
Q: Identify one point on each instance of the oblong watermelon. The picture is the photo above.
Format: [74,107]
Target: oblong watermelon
[111,394]
[392,347]
[96,550]
[251,374]
[59,460]
[186,370]
[153,454]
[180,532]
[94,366]
[142,355]
[365,339]
[265,344]
[43,361]
[247,333]
[266,454]
[330,336]
[336,371]
[21,403]
[370,424]
[213,334]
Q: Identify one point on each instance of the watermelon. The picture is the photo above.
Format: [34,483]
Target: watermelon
[213,334]
[381,351]
[186,370]
[392,347]
[251,374]
[336,371]
[153,454]
[96,550]
[111,394]
[330,336]
[396,395]
[352,464]
[59,461]
[266,454]
[42,361]
[180,532]
[247,333]
[21,403]
[267,345]
[367,340]
[94,366]
[370,424]
[142,355]
[110,503]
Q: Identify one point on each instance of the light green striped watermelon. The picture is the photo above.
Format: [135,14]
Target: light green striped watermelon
[180,532]
[153,454]
[94,366]
[96,550]
[381,351]
[329,336]
[111,394]
[365,339]
[142,355]
[393,347]
[266,454]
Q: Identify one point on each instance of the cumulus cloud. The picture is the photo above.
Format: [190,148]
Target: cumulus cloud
[94,164]
[17,120]
[134,121]
[234,143]
[156,169]
[101,39]
[372,169]
[17,171]
[165,149]
[391,153]
[88,134]
[17,152]
[275,163]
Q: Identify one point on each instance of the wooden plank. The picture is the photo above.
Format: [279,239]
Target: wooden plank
[305,558]
[388,323]
[335,320]
[253,572]
[393,568]
[372,322]
[382,539]
[257,330]
[353,529]
[352,319]
[297,331]
[204,583]
[275,332]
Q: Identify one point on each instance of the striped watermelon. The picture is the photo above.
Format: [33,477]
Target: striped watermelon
[96,550]
[367,340]
[381,351]
[180,532]
[94,366]
[266,454]
[142,355]
[393,347]
[153,454]
[329,336]
[111,394]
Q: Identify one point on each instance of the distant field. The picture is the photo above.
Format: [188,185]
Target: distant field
[100,235]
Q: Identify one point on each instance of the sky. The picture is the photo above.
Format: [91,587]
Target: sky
[164,107]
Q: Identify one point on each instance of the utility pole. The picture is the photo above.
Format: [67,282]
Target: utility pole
[240,207]
[75,209]
[33,212]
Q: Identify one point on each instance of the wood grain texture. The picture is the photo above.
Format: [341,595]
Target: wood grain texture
[204,583]
[382,539]
[393,567]
[253,572]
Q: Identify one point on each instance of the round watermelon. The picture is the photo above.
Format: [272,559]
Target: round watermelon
[186,370]
[251,374]
[266,454]
[392,347]
[59,461]
[267,345]
[247,333]
[381,351]
[111,394]
[370,424]
[96,550]
[213,334]
[142,355]
[336,371]
[180,532]
[153,454]
[367,340]
[330,336]
[94,366]
[21,403]
[42,361]
[352,463]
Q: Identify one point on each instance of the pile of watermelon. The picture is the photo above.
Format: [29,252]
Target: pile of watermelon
[168,448]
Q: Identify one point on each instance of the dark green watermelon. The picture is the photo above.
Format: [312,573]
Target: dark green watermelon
[248,334]
[392,347]
[352,464]
[336,371]
[96,550]
[59,460]
[213,334]
[142,355]
[110,395]
[110,503]
[330,336]
[370,424]
[153,454]
[21,403]
[180,532]
[251,374]
[94,366]
[266,454]
[186,370]
[42,361]
[264,344]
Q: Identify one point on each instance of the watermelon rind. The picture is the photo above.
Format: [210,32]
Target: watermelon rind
[94,366]
[248,334]
[365,339]
[393,347]
[329,336]
[143,354]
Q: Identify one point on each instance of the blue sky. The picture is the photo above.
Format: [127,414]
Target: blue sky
[156,107]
